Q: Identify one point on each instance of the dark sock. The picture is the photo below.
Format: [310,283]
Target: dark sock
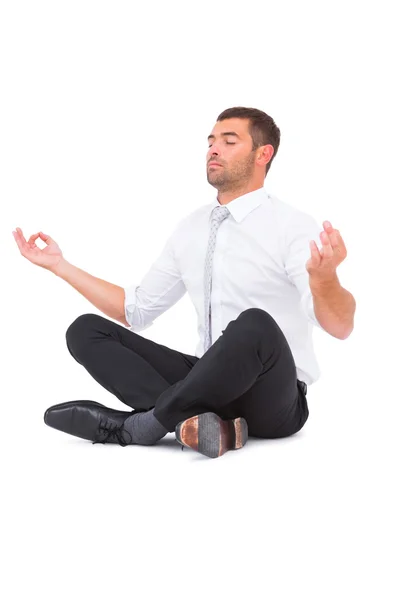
[144,428]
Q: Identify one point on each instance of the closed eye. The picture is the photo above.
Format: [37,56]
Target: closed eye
[226,143]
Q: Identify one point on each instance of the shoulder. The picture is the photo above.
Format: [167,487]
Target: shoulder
[287,212]
[185,222]
[296,226]
[292,219]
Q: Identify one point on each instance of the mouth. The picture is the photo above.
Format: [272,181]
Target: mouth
[214,165]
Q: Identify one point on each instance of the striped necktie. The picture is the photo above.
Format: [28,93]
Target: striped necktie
[218,214]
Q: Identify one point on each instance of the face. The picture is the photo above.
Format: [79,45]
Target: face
[230,145]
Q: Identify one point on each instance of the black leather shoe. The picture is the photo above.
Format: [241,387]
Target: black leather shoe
[90,421]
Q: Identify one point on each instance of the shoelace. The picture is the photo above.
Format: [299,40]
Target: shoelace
[108,432]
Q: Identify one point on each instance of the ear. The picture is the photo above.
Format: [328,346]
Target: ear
[266,152]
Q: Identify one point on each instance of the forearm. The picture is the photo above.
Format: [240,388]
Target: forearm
[334,307]
[105,296]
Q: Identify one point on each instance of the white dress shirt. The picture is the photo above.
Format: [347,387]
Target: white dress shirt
[259,261]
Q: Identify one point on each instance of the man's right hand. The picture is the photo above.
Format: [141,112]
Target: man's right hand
[48,257]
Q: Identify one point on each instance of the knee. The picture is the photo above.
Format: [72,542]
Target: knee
[78,330]
[259,320]
[257,316]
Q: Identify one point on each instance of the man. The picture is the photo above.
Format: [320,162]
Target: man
[259,283]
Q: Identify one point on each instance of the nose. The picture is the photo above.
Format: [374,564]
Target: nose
[213,152]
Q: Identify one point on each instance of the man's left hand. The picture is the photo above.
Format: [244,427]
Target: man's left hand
[323,263]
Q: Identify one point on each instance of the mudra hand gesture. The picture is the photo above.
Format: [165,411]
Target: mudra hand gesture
[48,257]
[323,263]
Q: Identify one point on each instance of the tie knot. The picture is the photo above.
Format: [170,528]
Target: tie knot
[220,213]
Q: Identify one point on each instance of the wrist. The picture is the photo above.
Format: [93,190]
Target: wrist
[324,283]
[60,268]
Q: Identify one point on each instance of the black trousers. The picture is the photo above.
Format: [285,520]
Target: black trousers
[248,372]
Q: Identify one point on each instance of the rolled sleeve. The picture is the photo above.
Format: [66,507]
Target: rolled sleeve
[301,229]
[160,288]
[130,308]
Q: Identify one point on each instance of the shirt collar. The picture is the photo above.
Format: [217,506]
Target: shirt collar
[240,207]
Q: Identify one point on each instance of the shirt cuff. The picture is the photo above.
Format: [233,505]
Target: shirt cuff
[307,304]
[131,311]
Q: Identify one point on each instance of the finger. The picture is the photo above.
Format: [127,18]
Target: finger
[315,255]
[332,233]
[339,237]
[17,238]
[46,238]
[19,232]
[32,239]
[327,249]
[334,239]
[341,247]
[21,242]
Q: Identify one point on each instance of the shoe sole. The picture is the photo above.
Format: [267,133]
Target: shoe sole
[212,436]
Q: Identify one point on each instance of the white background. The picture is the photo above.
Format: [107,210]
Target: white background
[105,112]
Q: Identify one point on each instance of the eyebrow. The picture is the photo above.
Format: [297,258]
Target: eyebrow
[224,133]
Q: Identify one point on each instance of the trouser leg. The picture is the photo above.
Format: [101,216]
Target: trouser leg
[136,370]
[249,371]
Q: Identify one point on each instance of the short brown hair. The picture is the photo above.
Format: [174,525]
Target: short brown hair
[262,128]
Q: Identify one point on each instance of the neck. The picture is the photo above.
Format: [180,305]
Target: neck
[224,197]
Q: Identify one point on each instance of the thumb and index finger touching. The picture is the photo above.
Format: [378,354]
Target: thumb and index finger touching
[43,236]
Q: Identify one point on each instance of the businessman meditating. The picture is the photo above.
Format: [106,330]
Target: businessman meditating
[260,273]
